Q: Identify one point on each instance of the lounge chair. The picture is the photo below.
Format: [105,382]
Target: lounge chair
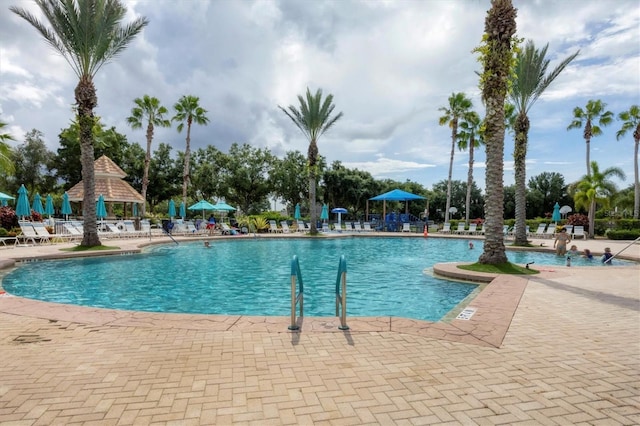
[300,226]
[569,229]
[227,230]
[347,226]
[27,233]
[367,227]
[285,227]
[42,232]
[550,231]
[540,231]
[472,229]
[325,227]
[446,228]
[406,227]
[337,227]
[4,240]
[307,227]
[461,226]
[357,227]
[273,227]
[578,231]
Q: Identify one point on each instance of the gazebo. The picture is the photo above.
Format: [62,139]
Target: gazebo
[394,195]
[110,184]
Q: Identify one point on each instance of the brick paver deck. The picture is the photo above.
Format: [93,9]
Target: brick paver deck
[569,353]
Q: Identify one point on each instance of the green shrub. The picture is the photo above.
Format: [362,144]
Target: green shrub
[3,232]
[623,234]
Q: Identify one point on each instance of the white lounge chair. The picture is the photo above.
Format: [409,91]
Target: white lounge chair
[300,227]
[367,227]
[347,226]
[446,228]
[472,229]
[540,231]
[337,227]
[406,227]
[550,231]
[578,231]
[273,227]
[325,227]
[285,227]
[461,226]
[27,233]
[357,227]
[42,232]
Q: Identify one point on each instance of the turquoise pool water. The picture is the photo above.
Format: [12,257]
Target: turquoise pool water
[252,277]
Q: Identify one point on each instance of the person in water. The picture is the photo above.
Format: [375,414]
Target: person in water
[606,257]
[560,244]
[573,251]
[587,254]
[470,245]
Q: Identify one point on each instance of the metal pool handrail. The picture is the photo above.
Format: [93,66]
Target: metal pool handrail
[630,244]
[296,275]
[341,293]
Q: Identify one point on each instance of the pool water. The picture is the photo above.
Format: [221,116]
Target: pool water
[386,277]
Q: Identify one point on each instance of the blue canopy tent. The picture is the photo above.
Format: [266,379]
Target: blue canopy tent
[394,195]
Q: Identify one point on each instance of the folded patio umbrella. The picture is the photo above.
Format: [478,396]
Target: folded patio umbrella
[22,208]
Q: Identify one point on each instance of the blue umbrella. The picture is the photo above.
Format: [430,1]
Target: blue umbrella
[66,206]
[183,210]
[134,210]
[172,209]
[4,197]
[203,205]
[297,215]
[339,211]
[324,215]
[556,213]
[37,204]
[22,208]
[101,209]
[48,207]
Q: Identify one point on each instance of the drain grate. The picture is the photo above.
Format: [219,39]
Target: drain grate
[30,338]
[466,314]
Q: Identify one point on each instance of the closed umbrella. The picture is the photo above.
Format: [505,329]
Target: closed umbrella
[339,211]
[101,208]
[22,208]
[556,213]
[66,206]
[297,215]
[37,204]
[134,210]
[172,209]
[324,215]
[183,210]
[48,206]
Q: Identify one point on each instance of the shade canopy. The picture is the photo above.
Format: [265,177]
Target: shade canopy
[22,208]
[37,204]
[202,205]
[5,197]
[339,210]
[108,182]
[221,206]
[397,195]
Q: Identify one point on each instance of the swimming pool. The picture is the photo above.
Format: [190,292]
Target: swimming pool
[252,277]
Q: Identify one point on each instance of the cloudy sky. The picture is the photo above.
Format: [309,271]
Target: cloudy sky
[390,65]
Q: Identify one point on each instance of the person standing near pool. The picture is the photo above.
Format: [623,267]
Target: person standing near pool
[560,244]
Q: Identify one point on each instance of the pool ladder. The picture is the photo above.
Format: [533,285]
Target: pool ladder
[297,297]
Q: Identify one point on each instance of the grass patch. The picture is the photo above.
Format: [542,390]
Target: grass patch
[85,248]
[502,268]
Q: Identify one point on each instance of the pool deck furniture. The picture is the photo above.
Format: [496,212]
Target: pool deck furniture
[461,228]
[285,227]
[578,232]
[446,228]
[406,227]
[564,358]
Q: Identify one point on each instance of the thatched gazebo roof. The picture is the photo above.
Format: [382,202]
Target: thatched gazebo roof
[109,184]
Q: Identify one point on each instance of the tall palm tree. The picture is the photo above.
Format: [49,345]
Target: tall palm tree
[631,121]
[529,82]
[188,111]
[88,34]
[313,119]
[596,187]
[459,107]
[496,57]
[593,112]
[470,137]
[6,165]
[147,109]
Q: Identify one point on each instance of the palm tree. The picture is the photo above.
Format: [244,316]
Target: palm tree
[594,112]
[529,83]
[596,187]
[459,107]
[496,57]
[313,119]
[147,109]
[88,34]
[470,137]
[188,111]
[631,121]
[6,165]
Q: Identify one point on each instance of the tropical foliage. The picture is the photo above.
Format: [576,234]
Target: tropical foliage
[88,34]
[470,137]
[591,120]
[313,118]
[529,83]
[6,166]
[631,122]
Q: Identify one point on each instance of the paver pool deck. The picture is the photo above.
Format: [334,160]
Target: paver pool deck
[561,347]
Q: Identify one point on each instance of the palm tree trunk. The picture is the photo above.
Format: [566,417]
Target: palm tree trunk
[587,139]
[467,204]
[636,198]
[454,133]
[519,159]
[86,100]
[147,162]
[312,154]
[592,218]
[187,159]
